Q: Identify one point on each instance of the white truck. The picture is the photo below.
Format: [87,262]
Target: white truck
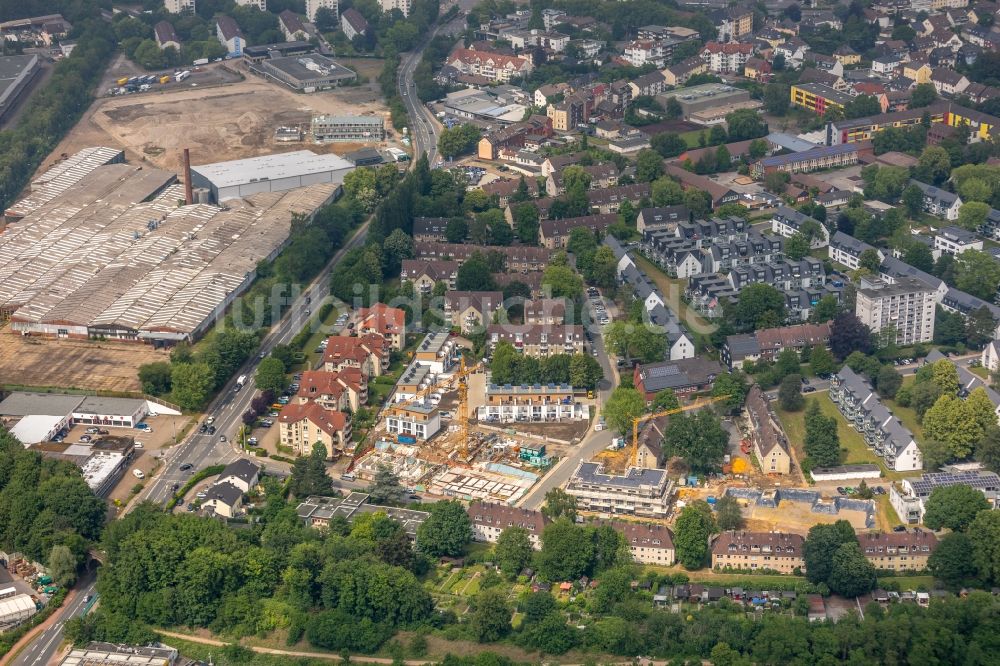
[182,75]
[240,382]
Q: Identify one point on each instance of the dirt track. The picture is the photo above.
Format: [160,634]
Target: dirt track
[219,123]
[101,366]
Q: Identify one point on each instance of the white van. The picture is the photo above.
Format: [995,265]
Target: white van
[137,473]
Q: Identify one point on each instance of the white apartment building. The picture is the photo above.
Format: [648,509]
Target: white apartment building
[258,4]
[639,492]
[955,240]
[179,6]
[419,420]
[907,304]
[313,6]
[402,5]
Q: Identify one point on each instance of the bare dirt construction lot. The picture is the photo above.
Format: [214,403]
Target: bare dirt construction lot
[83,364]
[223,122]
[797,518]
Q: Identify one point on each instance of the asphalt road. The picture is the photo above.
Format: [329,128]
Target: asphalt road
[423,126]
[200,450]
[593,441]
[44,647]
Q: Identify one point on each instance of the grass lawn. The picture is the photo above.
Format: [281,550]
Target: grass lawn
[909,582]
[979,371]
[708,576]
[851,440]
[691,138]
[672,288]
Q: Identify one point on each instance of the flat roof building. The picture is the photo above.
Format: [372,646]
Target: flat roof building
[347,128]
[639,492]
[319,511]
[269,173]
[907,305]
[307,73]
[16,72]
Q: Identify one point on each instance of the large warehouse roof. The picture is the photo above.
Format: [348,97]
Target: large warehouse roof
[270,167]
[115,252]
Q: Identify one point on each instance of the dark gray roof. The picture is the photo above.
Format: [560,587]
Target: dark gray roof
[897,268]
[967,303]
[682,373]
[226,493]
[242,469]
[942,197]
[958,235]
[741,346]
[635,477]
[849,244]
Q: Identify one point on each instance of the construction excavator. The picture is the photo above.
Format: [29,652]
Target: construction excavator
[703,402]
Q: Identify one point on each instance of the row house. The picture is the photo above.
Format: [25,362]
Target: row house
[471,310]
[549,311]
[430,228]
[678,74]
[899,551]
[768,343]
[883,432]
[569,113]
[815,159]
[938,202]
[648,543]
[775,551]
[726,58]
[538,340]
[719,193]
[948,82]
[425,273]
[554,234]
[662,218]
[609,200]
[648,84]
[786,275]
[516,259]
[535,403]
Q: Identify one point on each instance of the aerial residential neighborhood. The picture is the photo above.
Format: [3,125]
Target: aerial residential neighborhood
[509,333]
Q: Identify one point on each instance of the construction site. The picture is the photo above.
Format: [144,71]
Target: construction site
[457,456]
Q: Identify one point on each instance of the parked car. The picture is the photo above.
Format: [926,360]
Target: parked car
[252,440]
[85,438]
[186,466]
[91,431]
[841,491]
[808,389]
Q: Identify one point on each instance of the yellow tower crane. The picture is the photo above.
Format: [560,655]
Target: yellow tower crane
[634,456]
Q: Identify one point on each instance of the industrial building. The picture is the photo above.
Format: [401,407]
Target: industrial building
[102,462]
[305,74]
[36,417]
[16,72]
[704,97]
[113,255]
[356,129]
[62,176]
[269,173]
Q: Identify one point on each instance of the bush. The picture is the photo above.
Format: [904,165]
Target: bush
[336,630]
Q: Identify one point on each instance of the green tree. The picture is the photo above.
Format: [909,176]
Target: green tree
[513,551]
[62,566]
[984,533]
[954,507]
[458,140]
[728,514]
[776,99]
[913,199]
[790,393]
[693,528]
[490,619]
[192,384]
[474,275]
[457,229]
[848,334]
[797,247]
[888,382]
[155,378]
[745,124]
[758,306]
[972,215]
[821,544]
[526,223]
[870,260]
[665,400]
[822,443]
[851,574]
[950,562]
[825,310]
[564,281]
[923,95]
[446,532]
[666,192]
[977,273]
[270,375]
[585,371]
[945,376]
[624,405]
[559,504]
[567,551]
[649,166]
[385,488]
[732,384]
[698,438]
[861,106]
[821,361]
[309,475]
[668,144]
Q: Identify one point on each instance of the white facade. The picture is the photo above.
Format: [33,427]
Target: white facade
[528,413]
[179,6]
[955,241]
[907,305]
[991,356]
[402,5]
[416,421]
[313,6]
[256,4]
